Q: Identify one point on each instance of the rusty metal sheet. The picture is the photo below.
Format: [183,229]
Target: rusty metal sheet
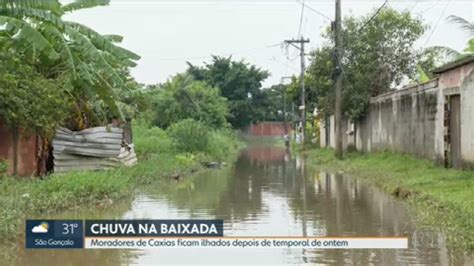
[98,141]
[95,148]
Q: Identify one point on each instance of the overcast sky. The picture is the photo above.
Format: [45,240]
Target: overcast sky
[166,34]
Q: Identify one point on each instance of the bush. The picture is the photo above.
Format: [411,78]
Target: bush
[151,140]
[30,101]
[190,136]
[223,142]
[3,166]
[184,98]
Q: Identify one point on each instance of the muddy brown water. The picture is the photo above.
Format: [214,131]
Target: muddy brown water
[267,192]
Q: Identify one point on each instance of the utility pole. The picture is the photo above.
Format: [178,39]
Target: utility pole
[301,43]
[284,105]
[338,80]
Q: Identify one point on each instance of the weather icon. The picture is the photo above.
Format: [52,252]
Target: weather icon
[41,228]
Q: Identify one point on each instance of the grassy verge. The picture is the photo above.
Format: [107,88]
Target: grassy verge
[159,161]
[441,198]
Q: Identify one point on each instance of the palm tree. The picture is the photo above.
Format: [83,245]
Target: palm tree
[444,54]
[91,61]
[463,23]
[452,54]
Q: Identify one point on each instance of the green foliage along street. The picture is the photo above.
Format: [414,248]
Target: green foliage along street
[378,54]
[239,82]
[163,157]
[59,73]
[90,68]
[182,98]
[441,198]
[21,86]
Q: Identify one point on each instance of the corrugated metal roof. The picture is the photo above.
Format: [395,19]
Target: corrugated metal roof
[98,141]
[95,148]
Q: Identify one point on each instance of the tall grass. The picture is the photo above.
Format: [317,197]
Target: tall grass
[152,140]
[223,143]
[441,198]
[160,158]
[190,136]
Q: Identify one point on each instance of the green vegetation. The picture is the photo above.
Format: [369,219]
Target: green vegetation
[378,53]
[272,104]
[29,101]
[182,98]
[435,56]
[442,198]
[3,166]
[59,73]
[191,136]
[239,82]
[160,162]
[70,60]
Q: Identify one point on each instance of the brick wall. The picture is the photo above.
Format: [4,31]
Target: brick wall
[26,152]
[268,129]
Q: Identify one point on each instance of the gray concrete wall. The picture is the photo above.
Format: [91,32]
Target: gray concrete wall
[412,120]
[402,121]
[467,119]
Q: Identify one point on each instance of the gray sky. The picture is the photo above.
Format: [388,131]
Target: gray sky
[166,34]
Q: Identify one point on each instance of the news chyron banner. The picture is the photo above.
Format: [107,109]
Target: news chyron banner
[158,234]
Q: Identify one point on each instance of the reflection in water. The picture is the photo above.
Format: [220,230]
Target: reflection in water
[269,192]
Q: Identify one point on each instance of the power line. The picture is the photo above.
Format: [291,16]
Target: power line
[413,7]
[314,10]
[427,9]
[210,55]
[437,23]
[284,64]
[301,19]
[299,44]
[374,15]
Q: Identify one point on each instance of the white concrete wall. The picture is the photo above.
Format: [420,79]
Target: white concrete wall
[404,121]
[332,138]
[401,121]
[322,133]
[467,118]
[412,120]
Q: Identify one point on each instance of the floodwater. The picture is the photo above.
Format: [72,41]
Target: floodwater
[267,192]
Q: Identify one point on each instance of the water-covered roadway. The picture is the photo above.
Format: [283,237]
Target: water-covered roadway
[267,192]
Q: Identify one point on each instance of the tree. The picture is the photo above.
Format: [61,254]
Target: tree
[270,105]
[29,101]
[185,98]
[239,82]
[463,23]
[319,82]
[91,61]
[435,56]
[378,54]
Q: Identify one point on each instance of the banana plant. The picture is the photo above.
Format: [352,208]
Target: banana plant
[92,61]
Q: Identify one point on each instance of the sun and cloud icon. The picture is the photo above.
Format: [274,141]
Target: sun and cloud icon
[41,228]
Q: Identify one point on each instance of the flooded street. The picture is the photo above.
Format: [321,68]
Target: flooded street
[268,192]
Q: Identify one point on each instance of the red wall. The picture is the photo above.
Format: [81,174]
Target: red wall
[27,164]
[264,129]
